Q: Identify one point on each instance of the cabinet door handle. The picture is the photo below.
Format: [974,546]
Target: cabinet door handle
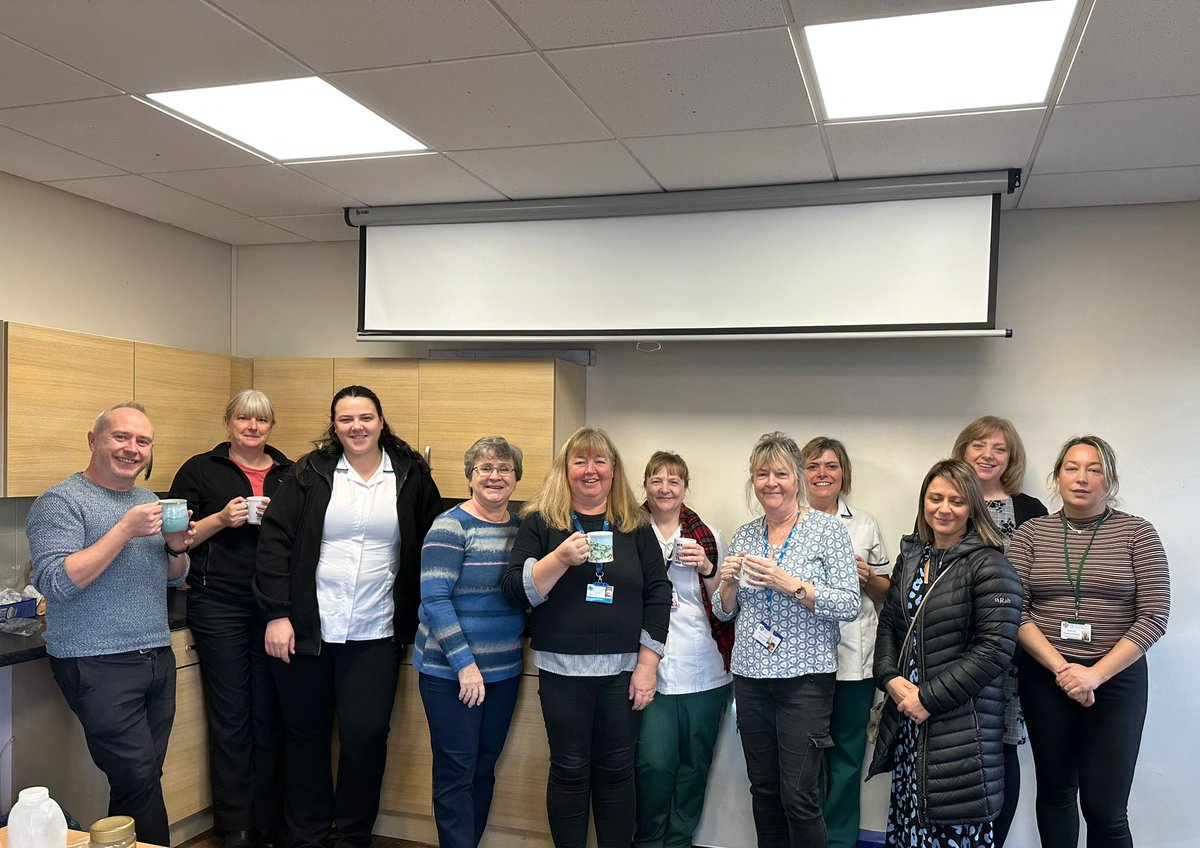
[428,451]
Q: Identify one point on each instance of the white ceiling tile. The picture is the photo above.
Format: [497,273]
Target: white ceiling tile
[428,178]
[561,170]
[144,46]
[1104,188]
[125,133]
[352,34]
[259,190]
[702,84]
[1122,135]
[504,101]
[942,144]
[572,23]
[1136,50]
[39,161]
[748,157]
[809,12]
[241,231]
[27,76]
[145,197]
[316,227]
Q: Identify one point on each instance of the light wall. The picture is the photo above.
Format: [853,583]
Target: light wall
[1103,305]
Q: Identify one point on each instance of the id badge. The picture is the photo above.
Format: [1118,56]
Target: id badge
[768,638]
[1074,630]
[674,600]
[599,593]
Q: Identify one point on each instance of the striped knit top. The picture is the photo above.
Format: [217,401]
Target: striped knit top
[464,618]
[1125,590]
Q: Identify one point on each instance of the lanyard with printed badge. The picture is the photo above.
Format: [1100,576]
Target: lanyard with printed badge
[598,592]
[764,634]
[1076,629]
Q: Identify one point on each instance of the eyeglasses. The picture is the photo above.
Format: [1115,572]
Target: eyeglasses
[486,470]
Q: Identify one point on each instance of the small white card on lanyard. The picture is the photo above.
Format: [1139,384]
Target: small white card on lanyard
[1073,630]
[599,593]
[768,638]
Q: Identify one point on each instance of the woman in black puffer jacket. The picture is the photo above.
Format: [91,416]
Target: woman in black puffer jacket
[946,634]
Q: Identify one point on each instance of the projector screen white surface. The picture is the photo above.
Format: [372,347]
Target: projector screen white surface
[907,264]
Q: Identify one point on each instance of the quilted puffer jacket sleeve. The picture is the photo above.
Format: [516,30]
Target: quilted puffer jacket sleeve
[995,609]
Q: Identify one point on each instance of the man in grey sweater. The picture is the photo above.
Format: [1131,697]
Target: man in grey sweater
[102,561]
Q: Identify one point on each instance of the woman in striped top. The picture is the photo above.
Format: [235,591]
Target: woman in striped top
[1097,596]
[468,646]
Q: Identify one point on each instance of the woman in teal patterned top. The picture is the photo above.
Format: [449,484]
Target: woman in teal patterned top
[468,645]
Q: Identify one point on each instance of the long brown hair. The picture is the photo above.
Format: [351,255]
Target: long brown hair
[962,477]
[553,498]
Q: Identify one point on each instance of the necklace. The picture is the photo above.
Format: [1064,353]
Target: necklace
[1081,527]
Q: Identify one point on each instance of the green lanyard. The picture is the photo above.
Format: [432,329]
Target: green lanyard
[1077,580]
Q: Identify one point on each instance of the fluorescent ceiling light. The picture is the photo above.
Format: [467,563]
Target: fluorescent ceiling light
[290,119]
[940,62]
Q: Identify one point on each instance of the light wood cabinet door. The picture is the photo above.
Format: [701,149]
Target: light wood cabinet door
[184,392]
[185,780]
[241,374]
[394,381]
[535,404]
[299,390]
[56,383]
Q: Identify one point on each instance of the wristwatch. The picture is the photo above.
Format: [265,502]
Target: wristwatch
[801,592]
[171,552]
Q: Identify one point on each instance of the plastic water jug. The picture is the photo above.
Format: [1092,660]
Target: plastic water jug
[36,821]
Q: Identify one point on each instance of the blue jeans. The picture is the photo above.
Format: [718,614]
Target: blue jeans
[466,742]
[784,725]
[126,704]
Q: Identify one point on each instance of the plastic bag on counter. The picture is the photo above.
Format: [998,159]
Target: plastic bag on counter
[21,626]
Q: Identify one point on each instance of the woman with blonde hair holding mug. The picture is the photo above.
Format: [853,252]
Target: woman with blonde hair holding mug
[795,567]
[679,727]
[227,489]
[588,564]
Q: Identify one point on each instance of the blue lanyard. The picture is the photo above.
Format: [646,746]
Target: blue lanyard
[782,551]
[579,527]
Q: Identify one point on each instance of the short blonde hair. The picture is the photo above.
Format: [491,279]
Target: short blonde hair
[250,402]
[776,448]
[985,426]
[1108,465]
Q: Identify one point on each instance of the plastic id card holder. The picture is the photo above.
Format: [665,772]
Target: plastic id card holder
[1074,630]
[599,593]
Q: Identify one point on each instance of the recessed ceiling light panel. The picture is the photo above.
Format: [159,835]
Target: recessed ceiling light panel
[939,62]
[290,119]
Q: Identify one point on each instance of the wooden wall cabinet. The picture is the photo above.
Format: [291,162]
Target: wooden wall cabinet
[299,389]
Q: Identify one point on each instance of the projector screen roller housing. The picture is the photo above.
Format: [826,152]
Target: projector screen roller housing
[926,264]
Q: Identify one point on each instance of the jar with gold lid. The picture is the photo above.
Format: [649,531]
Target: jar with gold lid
[113,832]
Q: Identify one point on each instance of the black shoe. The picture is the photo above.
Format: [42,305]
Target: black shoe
[239,839]
[267,839]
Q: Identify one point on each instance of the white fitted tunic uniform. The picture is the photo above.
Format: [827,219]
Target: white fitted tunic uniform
[357,567]
[692,662]
[856,651]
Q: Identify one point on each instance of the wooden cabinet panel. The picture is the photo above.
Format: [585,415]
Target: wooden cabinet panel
[529,402]
[185,780]
[184,392]
[183,644]
[241,374]
[57,382]
[408,778]
[300,390]
[394,380]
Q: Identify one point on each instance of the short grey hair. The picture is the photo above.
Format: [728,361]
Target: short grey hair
[492,447]
[102,419]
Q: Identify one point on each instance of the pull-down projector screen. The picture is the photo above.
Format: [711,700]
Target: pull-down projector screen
[898,265]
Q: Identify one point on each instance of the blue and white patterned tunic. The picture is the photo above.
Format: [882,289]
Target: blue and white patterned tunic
[821,553]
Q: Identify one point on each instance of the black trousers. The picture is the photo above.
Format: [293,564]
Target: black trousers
[245,725]
[355,684]
[126,704]
[592,729]
[1084,757]
[784,725]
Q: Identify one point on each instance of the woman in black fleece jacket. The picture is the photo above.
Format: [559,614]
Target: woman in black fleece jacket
[946,634]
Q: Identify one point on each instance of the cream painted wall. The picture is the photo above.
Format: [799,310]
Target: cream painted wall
[1103,303]
[76,264]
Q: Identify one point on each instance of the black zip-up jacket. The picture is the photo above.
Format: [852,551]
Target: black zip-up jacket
[966,635]
[289,546]
[224,564]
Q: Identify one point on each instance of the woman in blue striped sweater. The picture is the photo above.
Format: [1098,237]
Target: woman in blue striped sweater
[468,646]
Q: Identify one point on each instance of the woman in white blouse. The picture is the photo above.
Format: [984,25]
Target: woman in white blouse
[338,580]
[679,727]
[827,473]
[789,579]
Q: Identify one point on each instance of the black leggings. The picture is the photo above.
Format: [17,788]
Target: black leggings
[1084,757]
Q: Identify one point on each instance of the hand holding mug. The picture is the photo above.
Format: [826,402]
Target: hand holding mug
[573,550]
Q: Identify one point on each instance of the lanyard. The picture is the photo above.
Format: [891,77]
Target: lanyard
[779,557]
[1077,580]
[579,527]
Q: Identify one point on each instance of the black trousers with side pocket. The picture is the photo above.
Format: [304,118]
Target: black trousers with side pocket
[784,726]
